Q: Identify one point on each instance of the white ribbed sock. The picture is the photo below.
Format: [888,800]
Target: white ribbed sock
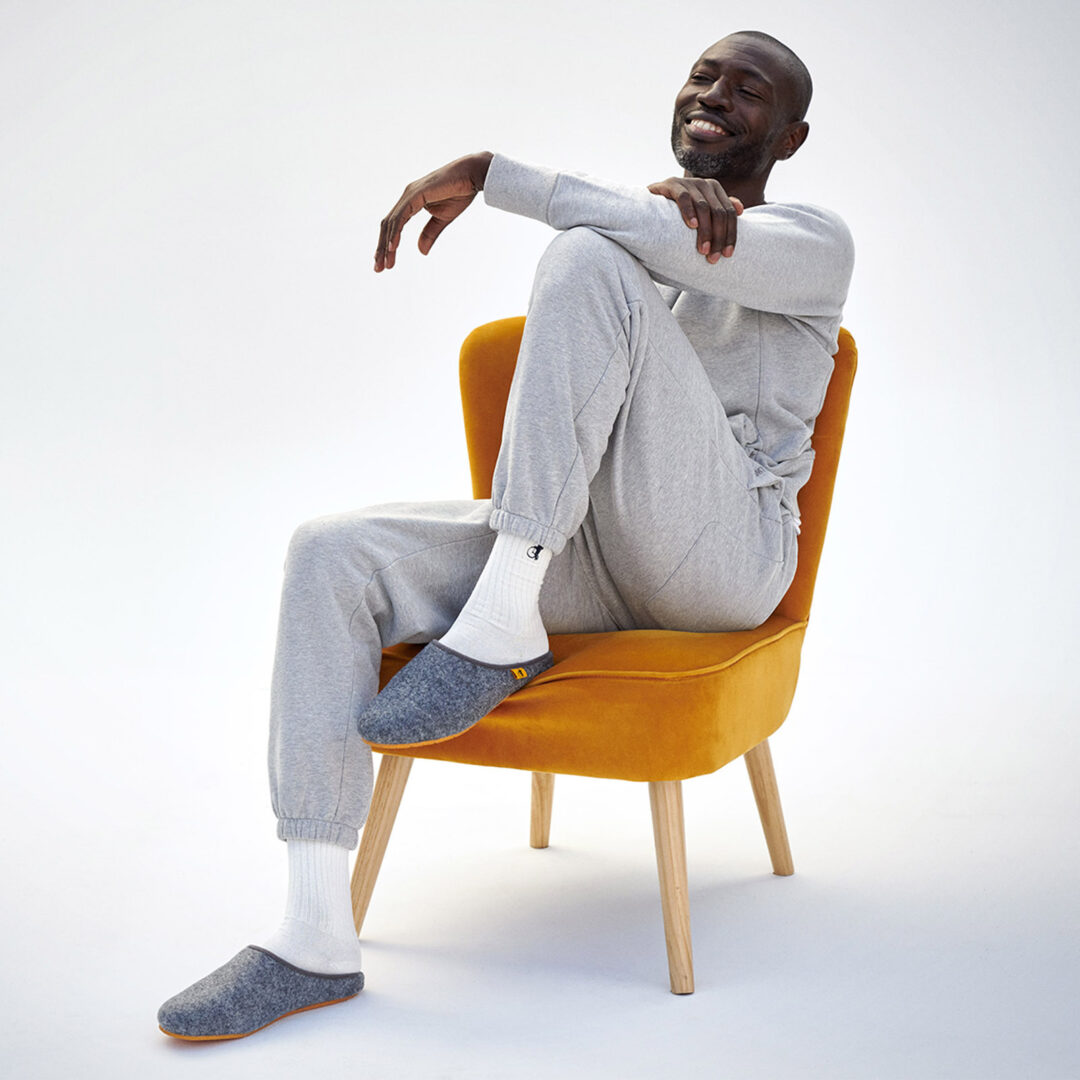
[317,933]
[500,622]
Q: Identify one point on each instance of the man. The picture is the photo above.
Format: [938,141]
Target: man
[656,437]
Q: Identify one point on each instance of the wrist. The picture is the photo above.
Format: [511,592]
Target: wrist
[478,168]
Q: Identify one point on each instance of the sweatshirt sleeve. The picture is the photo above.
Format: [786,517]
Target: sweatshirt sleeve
[789,259]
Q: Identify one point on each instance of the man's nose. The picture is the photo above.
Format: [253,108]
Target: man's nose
[717,96]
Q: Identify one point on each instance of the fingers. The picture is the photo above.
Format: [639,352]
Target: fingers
[714,216]
[676,191]
[706,208]
[430,234]
[724,224]
[390,227]
[445,193]
[694,213]
[380,250]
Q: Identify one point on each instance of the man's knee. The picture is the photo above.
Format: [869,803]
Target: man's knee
[310,545]
[578,254]
[324,543]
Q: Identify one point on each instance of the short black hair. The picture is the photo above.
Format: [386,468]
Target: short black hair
[800,76]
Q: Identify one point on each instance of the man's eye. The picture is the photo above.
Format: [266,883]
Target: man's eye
[747,92]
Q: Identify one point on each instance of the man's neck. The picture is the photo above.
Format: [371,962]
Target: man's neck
[750,192]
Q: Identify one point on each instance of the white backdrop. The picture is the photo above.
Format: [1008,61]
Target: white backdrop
[197,357]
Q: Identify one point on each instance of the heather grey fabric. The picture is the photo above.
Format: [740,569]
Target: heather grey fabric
[439,694]
[663,507]
[253,989]
[764,322]
[354,583]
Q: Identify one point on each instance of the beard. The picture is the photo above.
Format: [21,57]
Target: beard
[737,163]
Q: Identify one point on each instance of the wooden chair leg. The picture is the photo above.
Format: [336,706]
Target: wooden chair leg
[665,797]
[767,795]
[543,792]
[385,800]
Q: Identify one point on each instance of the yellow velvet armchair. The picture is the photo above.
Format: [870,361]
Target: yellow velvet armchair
[687,703]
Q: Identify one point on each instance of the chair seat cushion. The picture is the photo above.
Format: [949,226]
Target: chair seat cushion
[636,704]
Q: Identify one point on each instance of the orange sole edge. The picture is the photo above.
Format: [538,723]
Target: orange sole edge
[385,748]
[245,1034]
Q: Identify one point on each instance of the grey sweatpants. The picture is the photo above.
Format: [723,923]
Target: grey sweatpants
[616,454]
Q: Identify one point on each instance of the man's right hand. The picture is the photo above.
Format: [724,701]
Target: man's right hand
[444,193]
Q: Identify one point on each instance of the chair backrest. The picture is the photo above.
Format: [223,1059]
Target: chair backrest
[815,496]
[489,354]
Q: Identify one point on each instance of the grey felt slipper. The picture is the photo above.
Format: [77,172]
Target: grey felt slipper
[253,989]
[440,693]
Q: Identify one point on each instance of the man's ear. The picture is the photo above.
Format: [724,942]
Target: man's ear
[794,135]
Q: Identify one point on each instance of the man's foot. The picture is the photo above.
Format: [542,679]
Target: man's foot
[251,991]
[440,694]
[317,933]
[307,947]
[500,622]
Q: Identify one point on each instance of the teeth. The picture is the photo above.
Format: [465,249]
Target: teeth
[704,125]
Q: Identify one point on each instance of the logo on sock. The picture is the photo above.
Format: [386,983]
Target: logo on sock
[520,673]
[534,551]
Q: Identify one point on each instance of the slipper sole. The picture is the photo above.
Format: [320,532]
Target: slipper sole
[245,1034]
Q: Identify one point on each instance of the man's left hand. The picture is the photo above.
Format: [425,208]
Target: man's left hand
[705,206]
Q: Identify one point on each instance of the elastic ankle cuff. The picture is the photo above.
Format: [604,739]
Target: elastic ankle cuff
[547,535]
[332,832]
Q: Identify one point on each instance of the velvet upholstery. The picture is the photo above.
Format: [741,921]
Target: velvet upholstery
[641,704]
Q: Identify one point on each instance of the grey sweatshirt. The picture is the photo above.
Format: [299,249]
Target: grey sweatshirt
[763,322]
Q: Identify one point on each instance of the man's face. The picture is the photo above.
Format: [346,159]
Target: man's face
[731,116]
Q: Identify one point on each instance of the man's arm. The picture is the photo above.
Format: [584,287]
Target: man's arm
[791,260]
[447,192]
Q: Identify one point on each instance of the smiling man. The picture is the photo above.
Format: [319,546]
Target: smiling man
[734,130]
[676,353]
